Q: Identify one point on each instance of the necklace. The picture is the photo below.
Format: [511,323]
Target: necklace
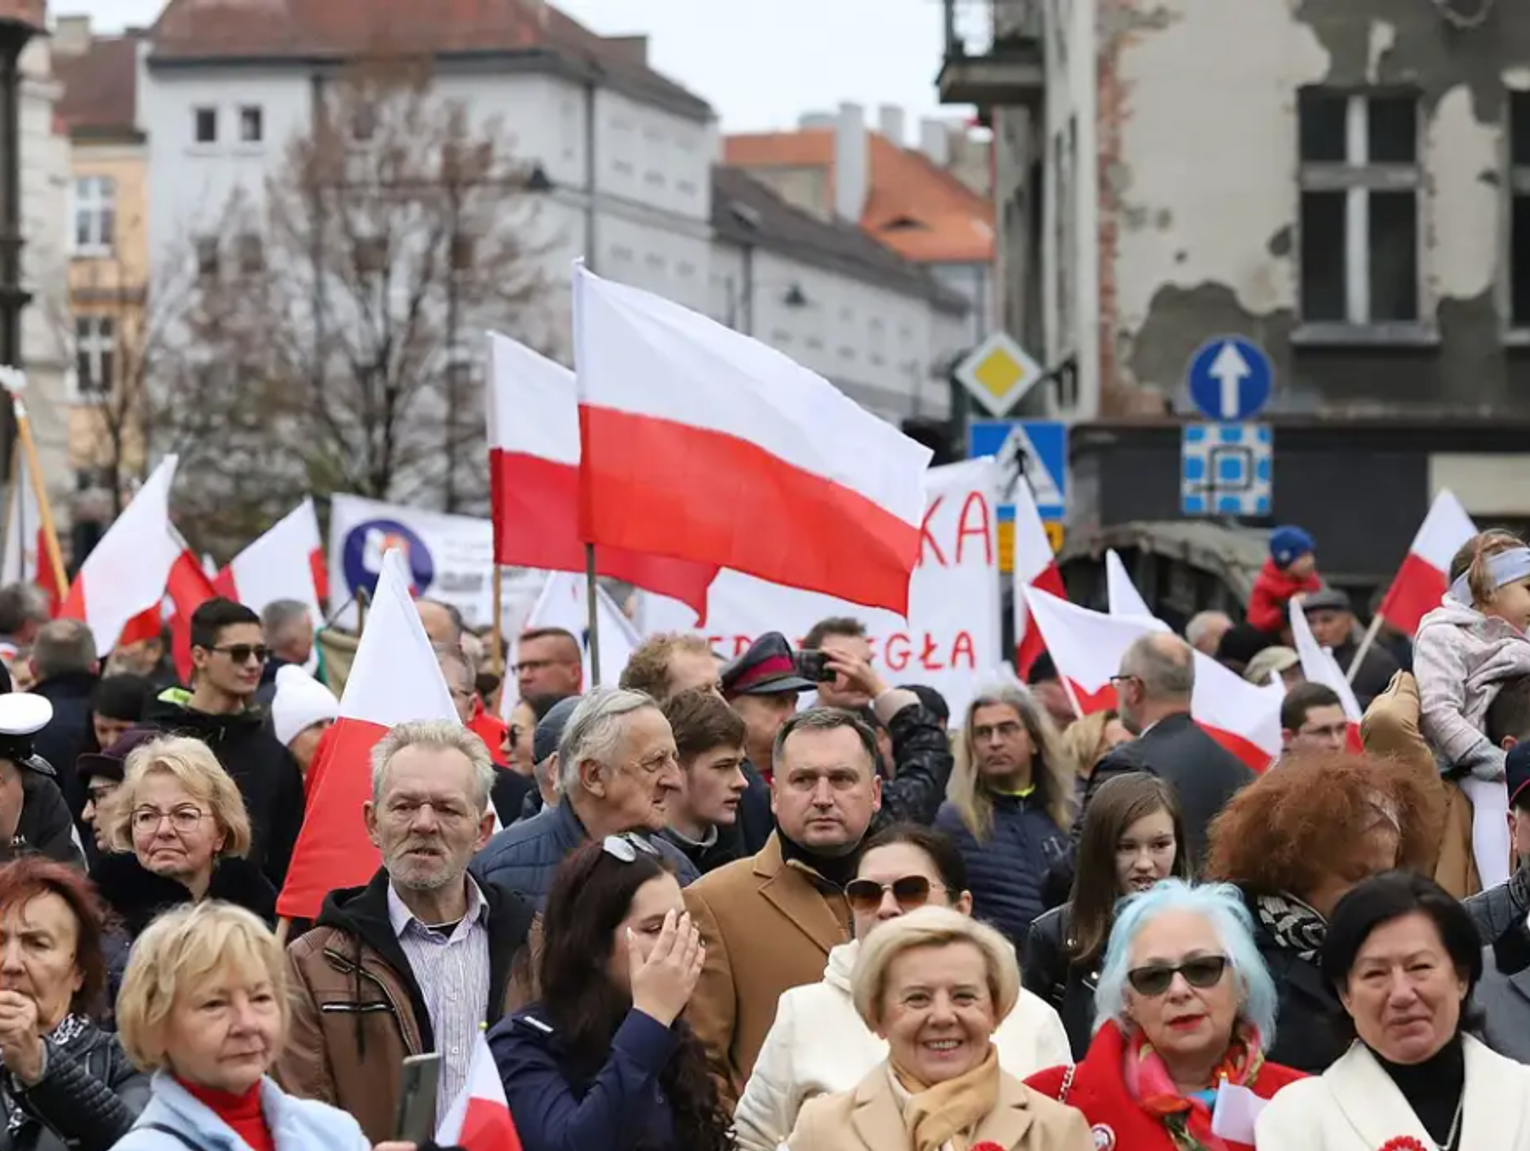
[1455,1125]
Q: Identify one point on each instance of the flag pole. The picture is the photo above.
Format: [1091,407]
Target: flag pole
[1364,648]
[497,639]
[14,382]
[592,606]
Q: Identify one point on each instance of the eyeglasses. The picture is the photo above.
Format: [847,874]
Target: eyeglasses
[241,652]
[625,847]
[1203,971]
[183,819]
[908,892]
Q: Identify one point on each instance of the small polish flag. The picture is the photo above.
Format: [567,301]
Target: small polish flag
[479,1119]
[1422,580]
[1121,592]
[1319,666]
[287,562]
[1087,647]
[394,679]
[122,581]
[534,456]
[1035,567]
[705,445]
[187,589]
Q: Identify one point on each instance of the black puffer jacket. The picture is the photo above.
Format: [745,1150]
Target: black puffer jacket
[1049,974]
[921,768]
[44,827]
[87,1099]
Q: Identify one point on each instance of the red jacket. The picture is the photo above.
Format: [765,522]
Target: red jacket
[491,729]
[1272,591]
[1099,1091]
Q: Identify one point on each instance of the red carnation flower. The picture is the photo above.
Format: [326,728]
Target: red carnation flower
[1403,1143]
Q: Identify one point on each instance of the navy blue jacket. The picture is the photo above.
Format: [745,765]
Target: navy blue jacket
[556,1107]
[525,856]
[1008,872]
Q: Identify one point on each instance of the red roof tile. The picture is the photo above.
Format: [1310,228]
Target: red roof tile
[100,87]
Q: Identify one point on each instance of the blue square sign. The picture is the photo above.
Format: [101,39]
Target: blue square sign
[1227,470]
[1045,444]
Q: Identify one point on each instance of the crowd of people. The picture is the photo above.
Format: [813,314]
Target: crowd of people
[778,902]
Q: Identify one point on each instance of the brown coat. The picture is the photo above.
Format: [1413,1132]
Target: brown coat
[768,926]
[1391,729]
[869,1118]
[357,1010]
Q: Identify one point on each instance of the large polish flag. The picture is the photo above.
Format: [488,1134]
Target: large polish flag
[1319,666]
[706,445]
[1422,580]
[1121,593]
[395,679]
[122,581]
[287,562]
[534,454]
[24,556]
[1087,647]
[479,1118]
[1035,566]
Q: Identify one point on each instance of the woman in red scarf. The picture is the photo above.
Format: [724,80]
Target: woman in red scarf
[1186,1011]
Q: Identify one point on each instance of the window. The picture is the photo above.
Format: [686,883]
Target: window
[252,255]
[1359,207]
[95,351]
[209,259]
[1519,209]
[95,215]
[206,125]
[252,125]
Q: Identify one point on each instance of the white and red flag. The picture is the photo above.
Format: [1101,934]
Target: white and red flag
[24,558]
[534,456]
[395,679]
[1035,566]
[564,603]
[1422,580]
[1087,647]
[122,581]
[703,444]
[479,1119]
[1319,666]
[1121,593]
[287,562]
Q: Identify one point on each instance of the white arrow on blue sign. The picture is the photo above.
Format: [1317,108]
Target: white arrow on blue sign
[1230,378]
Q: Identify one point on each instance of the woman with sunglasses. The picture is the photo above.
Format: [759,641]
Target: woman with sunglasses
[1130,840]
[1187,1010]
[604,1059]
[818,1044]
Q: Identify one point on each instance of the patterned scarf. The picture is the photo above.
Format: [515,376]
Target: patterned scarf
[1295,926]
[1188,1119]
[70,1028]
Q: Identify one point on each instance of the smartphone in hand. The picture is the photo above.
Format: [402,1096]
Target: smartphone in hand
[417,1102]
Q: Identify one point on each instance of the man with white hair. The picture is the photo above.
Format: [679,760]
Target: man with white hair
[422,957]
[617,771]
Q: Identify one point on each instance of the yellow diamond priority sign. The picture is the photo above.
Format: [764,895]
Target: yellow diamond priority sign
[998,373]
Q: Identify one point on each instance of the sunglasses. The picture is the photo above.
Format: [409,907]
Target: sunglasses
[909,892]
[625,847]
[1203,971]
[241,652]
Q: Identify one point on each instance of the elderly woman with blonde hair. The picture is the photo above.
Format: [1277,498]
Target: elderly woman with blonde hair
[934,985]
[204,1007]
[181,834]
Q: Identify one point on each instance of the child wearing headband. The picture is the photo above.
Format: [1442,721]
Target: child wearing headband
[1464,651]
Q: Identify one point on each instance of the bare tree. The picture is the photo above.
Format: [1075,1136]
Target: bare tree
[333,340]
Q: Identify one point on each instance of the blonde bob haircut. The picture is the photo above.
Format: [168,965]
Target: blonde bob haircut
[177,954]
[193,765]
[932,927]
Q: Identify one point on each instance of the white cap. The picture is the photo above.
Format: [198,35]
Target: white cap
[23,714]
[301,701]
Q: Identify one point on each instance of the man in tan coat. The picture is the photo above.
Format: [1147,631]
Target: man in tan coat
[769,921]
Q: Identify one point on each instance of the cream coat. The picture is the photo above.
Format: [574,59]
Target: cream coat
[1355,1106]
[818,1045]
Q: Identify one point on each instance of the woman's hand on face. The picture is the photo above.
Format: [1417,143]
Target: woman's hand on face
[662,983]
[21,1047]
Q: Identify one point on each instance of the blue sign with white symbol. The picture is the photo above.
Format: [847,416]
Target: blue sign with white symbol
[1231,379]
[1227,470]
[1045,444]
[363,548]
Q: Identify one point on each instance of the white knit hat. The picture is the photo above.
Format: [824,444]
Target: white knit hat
[301,701]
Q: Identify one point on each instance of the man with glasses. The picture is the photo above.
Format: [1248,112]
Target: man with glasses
[1312,720]
[228,655]
[549,665]
[420,959]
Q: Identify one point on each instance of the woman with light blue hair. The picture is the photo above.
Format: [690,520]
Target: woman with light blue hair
[1185,1010]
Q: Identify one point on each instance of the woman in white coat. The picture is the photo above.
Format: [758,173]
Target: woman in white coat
[1404,957]
[819,1045]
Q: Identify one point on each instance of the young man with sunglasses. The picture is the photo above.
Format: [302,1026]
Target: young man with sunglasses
[228,654]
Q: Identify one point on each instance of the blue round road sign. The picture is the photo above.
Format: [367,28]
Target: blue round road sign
[1230,378]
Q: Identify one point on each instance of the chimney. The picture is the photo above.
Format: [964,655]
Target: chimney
[935,141]
[72,36]
[816,121]
[630,48]
[852,161]
[892,123]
